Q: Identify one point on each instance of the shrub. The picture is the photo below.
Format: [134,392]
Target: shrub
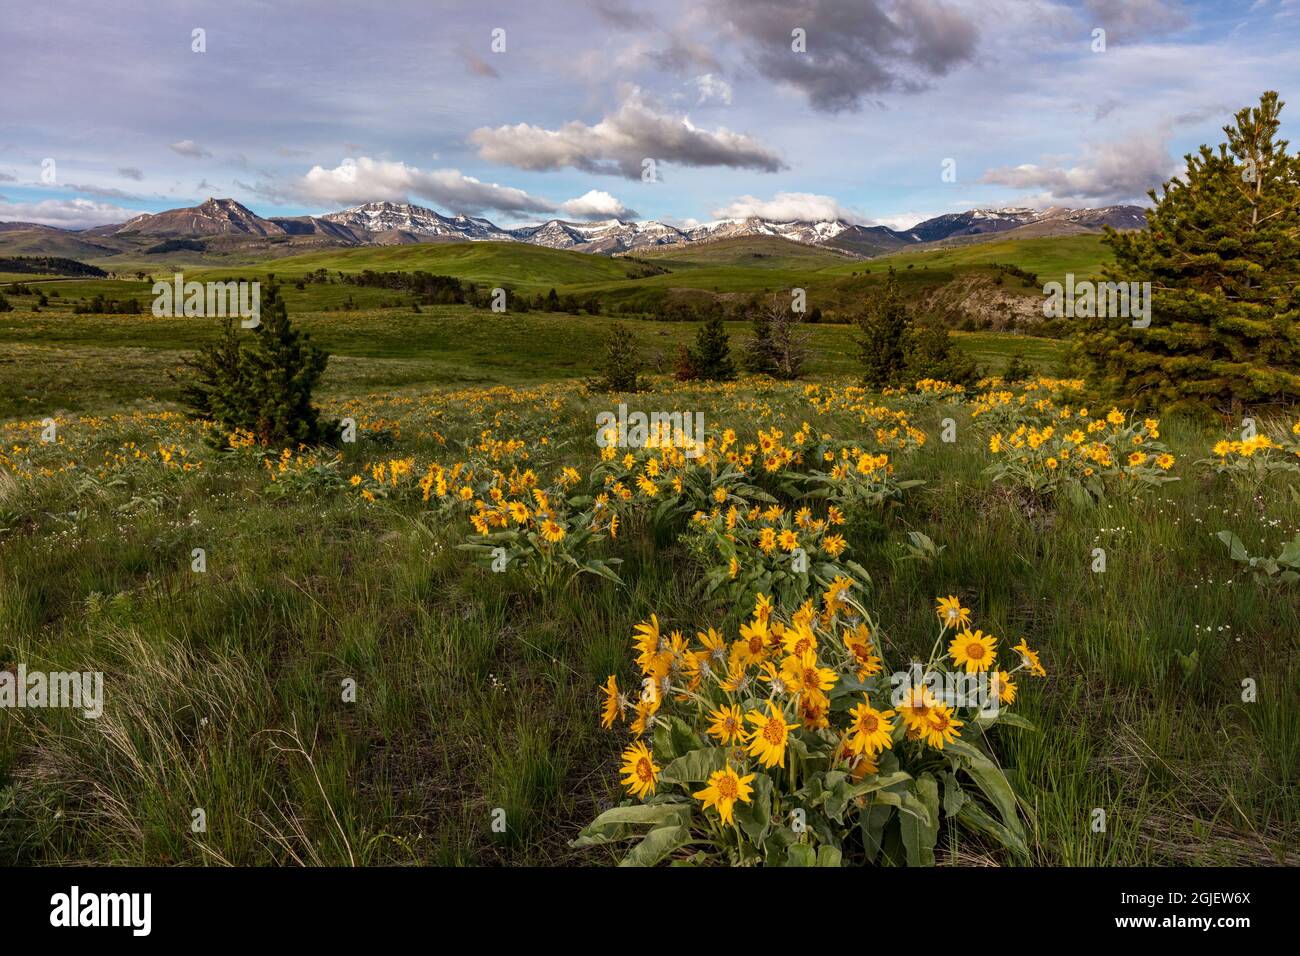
[263,388]
[929,353]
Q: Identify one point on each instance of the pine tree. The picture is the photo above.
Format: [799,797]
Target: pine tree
[885,326]
[1222,253]
[757,355]
[711,357]
[263,387]
[622,362]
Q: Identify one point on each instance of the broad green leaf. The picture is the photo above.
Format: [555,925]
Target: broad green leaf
[828,855]
[920,836]
[800,854]
[658,843]
[695,767]
[991,781]
[655,814]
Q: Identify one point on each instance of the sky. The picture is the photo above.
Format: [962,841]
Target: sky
[875,111]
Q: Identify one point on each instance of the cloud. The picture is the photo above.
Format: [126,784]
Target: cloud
[374,179]
[101,192]
[618,14]
[130,172]
[597,204]
[1109,172]
[6,178]
[712,88]
[477,65]
[370,179]
[787,206]
[853,47]
[1136,19]
[65,213]
[187,147]
[619,143]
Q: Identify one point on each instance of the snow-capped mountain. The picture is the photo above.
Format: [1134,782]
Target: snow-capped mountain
[795,230]
[608,235]
[379,223]
[379,217]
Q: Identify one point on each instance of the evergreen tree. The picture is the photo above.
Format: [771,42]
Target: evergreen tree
[930,353]
[757,355]
[885,326]
[711,357]
[622,364]
[1222,253]
[263,387]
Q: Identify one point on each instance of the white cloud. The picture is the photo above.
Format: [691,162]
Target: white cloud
[187,147]
[712,89]
[787,206]
[618,144]
[65,213]
[371,179]
[367,179]
[597,204]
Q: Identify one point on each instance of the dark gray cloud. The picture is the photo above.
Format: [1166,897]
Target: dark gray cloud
[621,142]
[854,47]
[130,172]
[1109,172]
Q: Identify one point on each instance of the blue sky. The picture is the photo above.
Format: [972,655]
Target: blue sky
[296,108]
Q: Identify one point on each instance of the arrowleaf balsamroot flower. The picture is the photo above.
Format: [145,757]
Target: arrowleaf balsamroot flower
[973,650]
[951,613]
[640,772]
[770,735]
[872,731]
[728,724]
[724,789]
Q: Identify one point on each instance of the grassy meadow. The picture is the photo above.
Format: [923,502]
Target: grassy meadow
[477,691]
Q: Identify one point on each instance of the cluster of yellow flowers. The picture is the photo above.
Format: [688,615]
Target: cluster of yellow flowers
[1258,453]
[1078,447]
[776,679]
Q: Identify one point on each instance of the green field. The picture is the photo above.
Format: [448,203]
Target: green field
[476,692]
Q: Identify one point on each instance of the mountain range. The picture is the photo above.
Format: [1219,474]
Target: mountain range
[386,223]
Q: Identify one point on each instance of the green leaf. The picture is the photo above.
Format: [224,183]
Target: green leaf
[655,814]
[872,824]
[658,843]
[828,855]
[755,817]
[695,767]
[992,782]
[1235,548]
[920,836]
[972,815]
[800,854]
